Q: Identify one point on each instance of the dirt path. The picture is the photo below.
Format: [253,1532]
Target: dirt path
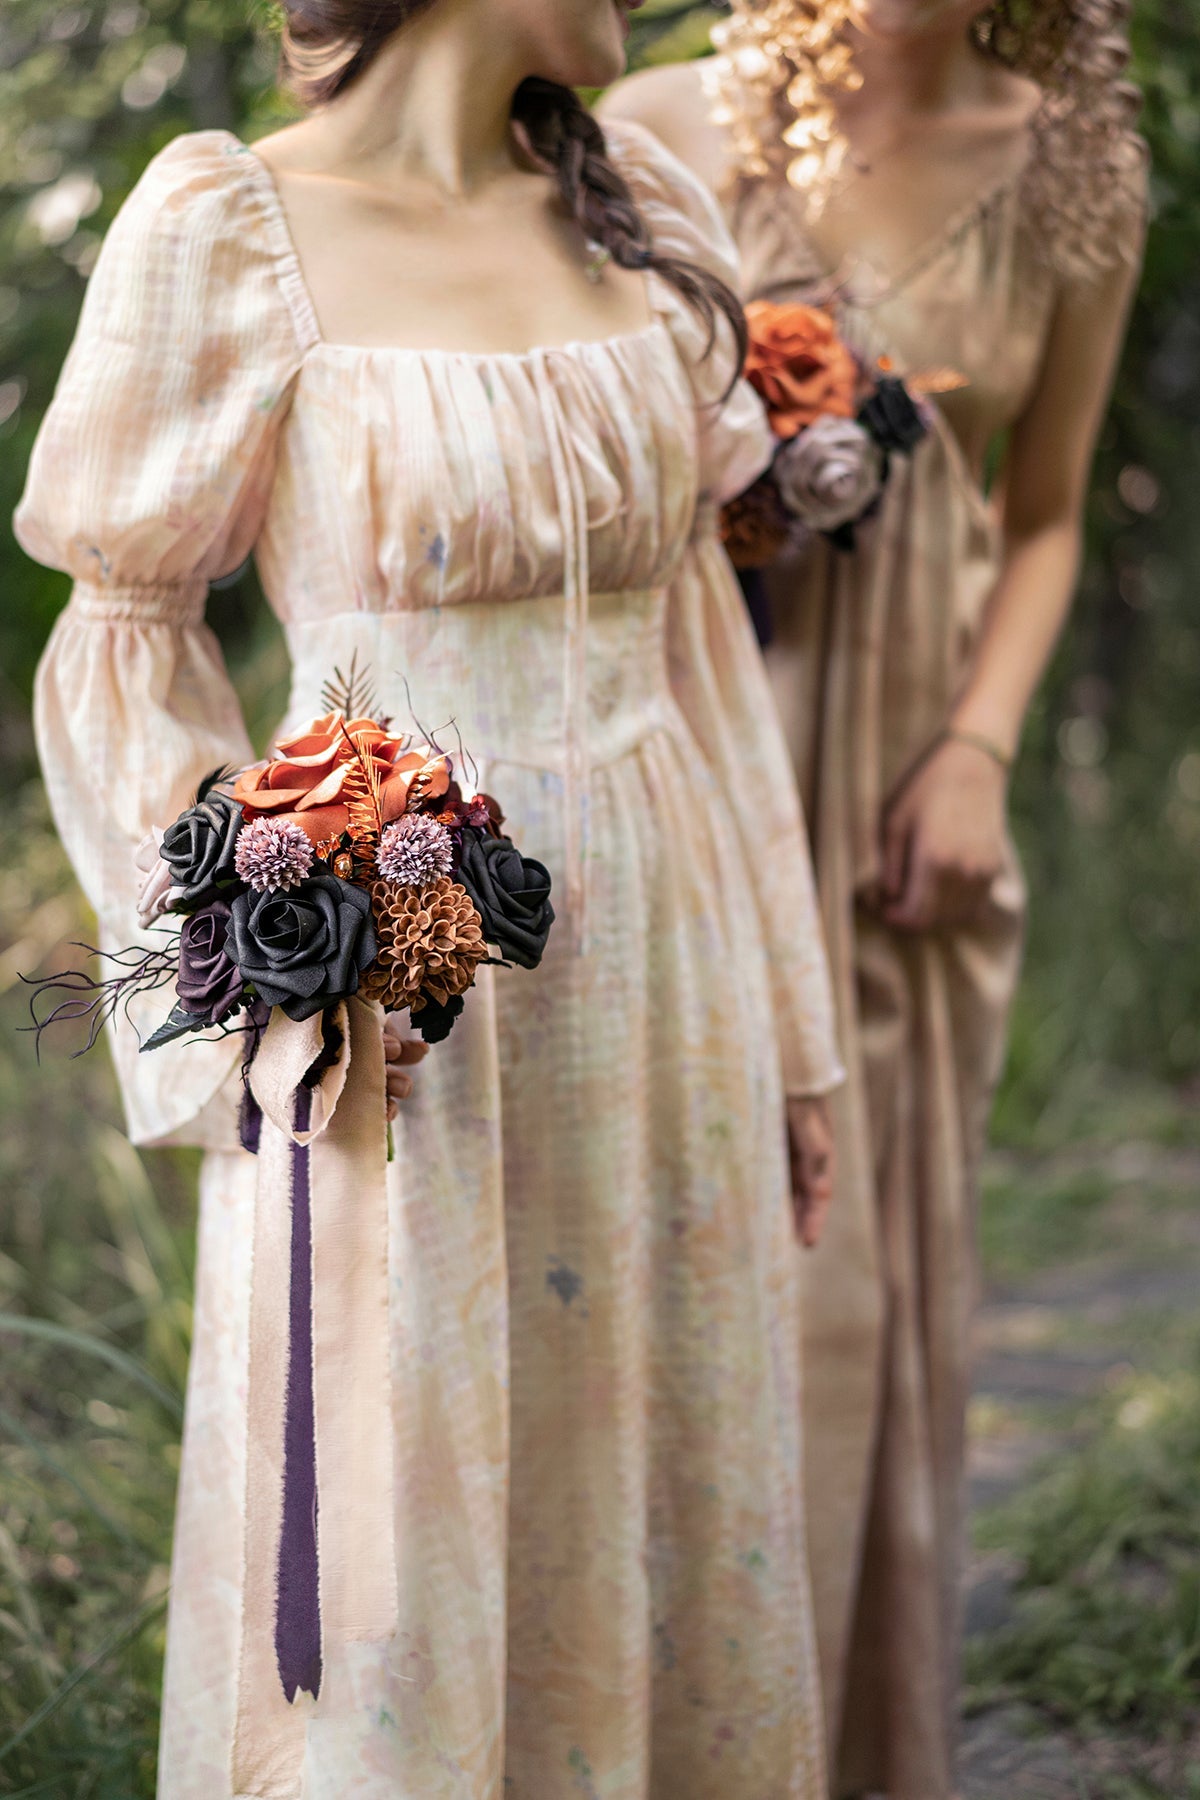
[1050,1340]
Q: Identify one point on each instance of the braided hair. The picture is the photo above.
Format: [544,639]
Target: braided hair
[328,44]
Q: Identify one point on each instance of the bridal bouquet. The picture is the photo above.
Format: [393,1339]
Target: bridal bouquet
[839,422]
[349,862]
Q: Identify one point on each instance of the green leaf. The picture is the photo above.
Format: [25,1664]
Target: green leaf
[84,1671]
[88,1345]
[15,1429]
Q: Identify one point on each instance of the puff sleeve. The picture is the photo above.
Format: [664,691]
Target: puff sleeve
[717,673]
[149,479]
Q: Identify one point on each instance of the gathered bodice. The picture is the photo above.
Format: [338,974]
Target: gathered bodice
[452,469]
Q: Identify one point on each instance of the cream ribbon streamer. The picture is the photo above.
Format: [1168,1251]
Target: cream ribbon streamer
[352,1387]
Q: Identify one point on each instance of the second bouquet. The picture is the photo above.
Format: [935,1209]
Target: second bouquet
[839,421]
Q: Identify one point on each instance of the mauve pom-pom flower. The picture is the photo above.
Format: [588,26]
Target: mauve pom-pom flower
[414,851]
[272,855]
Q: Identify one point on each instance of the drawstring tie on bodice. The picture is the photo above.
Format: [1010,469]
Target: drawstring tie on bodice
[571,495]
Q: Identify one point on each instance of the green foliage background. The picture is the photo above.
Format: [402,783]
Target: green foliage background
[1108,797]
[95,1243]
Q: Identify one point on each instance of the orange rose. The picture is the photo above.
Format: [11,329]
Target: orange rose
[311,778]
[799,365]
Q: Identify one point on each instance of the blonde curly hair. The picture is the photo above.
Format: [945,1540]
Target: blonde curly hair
[781,65]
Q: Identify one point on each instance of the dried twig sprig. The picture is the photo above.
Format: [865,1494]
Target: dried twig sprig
[362,789]
[144,972]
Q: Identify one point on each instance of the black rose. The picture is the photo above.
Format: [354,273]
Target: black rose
[511,894]
[304,949]
[892,416]
[209,985]
[435,1021]
[198,848]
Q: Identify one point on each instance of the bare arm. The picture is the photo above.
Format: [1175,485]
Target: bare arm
[1044,490]
[944,836]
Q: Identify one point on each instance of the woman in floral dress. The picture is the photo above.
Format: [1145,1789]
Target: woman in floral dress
[459,372]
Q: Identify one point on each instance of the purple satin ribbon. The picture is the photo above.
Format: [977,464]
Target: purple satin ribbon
[298,1605]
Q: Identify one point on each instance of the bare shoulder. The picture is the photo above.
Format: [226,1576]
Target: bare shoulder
[292,150]
[671,101]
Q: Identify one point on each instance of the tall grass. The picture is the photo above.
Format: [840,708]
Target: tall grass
[95,1321]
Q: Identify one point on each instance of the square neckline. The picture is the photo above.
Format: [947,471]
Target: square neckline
[308,325]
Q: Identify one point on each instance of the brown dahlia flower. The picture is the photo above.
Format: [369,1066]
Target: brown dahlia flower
[430,943]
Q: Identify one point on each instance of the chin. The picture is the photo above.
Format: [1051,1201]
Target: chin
[582,42]
[596,66]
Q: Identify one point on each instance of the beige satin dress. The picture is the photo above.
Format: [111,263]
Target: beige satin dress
[598,1567]
[870,650]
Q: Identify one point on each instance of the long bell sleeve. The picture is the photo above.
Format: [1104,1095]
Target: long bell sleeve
[149,479]
[717,672]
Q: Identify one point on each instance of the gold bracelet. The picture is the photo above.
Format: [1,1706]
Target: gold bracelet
[952,735]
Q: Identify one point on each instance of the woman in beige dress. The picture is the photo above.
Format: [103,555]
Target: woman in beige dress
[966,192]
[463,377]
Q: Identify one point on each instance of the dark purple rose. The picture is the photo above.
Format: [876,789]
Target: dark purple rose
[892,416]
[303,950]
[511,894]
[210,986]
[198,849]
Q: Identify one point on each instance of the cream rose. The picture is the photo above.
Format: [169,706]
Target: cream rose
[156,888]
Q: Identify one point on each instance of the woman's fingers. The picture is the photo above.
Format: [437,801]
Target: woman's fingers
[811,1207]
[938,893]
[399,1086]
[400,1054]
[810,1146]
[895,855]
[915,908]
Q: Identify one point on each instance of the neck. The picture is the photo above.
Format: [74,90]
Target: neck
[921,68]
[435,105]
